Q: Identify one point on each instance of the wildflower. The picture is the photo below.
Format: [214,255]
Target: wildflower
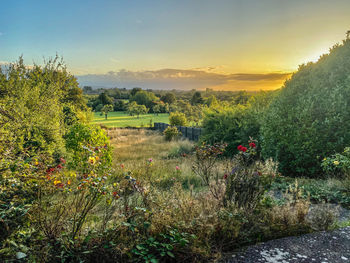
[115,194]
[122,166]
[150,160]
[239,147]
[324,159]
[36,163]
[97,158]
[59,166]
[56,182]
[177,168]
[68,182]
[244,149]
[225,176]
[336,162]
[115,184]
[92,160]
[252,145]
[62,160]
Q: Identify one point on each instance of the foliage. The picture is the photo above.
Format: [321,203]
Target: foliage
[171,133]
[307,121]
[338,164]
[82,141]
[136,109]
[168,98]
[322,217]
[144,98]
[106,109]
[233,124]
[206,161]
[248,179]
[177,119]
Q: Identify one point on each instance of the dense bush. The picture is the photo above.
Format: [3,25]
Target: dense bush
[233,124]
[177,119]
[309,119]
[171,133]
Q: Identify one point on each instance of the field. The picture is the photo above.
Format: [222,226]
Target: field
[122,119]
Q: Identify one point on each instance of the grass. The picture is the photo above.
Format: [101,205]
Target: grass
[132,149]
[120,119]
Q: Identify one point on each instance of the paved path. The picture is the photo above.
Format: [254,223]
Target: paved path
[321,247]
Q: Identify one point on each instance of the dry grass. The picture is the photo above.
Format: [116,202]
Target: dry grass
[133,147]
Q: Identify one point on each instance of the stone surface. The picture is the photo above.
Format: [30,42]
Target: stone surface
[330,247]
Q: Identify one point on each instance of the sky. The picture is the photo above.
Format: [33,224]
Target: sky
[166,44]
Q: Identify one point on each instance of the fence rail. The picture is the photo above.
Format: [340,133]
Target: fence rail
[190,133]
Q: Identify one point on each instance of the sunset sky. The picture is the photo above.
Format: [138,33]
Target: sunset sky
[184,44]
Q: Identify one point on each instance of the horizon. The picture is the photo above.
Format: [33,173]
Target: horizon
[227,45]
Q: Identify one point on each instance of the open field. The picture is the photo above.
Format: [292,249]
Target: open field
[122,119]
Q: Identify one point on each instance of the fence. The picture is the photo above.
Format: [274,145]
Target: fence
[190,133]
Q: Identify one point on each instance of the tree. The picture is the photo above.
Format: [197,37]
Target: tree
[107,108]
[104,99]
[140,109]
[309,119]
[156,109]
[168,98]
[87,89]
[196,98]
[177,119]
[136,109]
[144,98]
[134,91]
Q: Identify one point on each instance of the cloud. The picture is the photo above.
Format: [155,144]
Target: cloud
[185,79]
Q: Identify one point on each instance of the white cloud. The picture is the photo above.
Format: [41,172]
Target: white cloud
[184,79]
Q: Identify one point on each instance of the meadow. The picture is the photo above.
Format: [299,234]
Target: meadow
[122,119]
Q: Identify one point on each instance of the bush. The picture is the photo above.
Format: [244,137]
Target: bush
[249,179]
[82,140]
[237,123]
[308,120]
[171,133]
[177,119]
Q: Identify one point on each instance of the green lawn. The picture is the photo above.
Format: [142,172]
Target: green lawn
[122,119]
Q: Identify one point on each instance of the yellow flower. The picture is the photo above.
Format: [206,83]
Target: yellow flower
[68,182]
[324,158]
[97,158]
[92,160]
[56,182]
[36,163]
[336,163]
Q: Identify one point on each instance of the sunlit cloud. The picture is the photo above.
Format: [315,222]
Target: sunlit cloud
[185,79]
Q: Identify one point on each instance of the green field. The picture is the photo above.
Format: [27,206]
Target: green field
[122,119]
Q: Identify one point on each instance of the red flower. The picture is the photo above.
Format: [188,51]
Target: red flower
[115,194]
[244,149]
[59,166]
[62,160]
[252,145]
[240,147]
[225,176]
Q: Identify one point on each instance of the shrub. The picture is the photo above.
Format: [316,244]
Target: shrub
[249,179]
[177,119]
[206,160]
[308,120]
[322,216]
[171,133]
[82,140]
[338,164]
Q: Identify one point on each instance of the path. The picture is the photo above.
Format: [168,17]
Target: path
[321,247]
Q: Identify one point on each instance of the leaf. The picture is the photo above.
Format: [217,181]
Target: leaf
[170,254]
[20,255]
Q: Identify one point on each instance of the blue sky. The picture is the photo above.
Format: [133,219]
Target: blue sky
[220,37]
